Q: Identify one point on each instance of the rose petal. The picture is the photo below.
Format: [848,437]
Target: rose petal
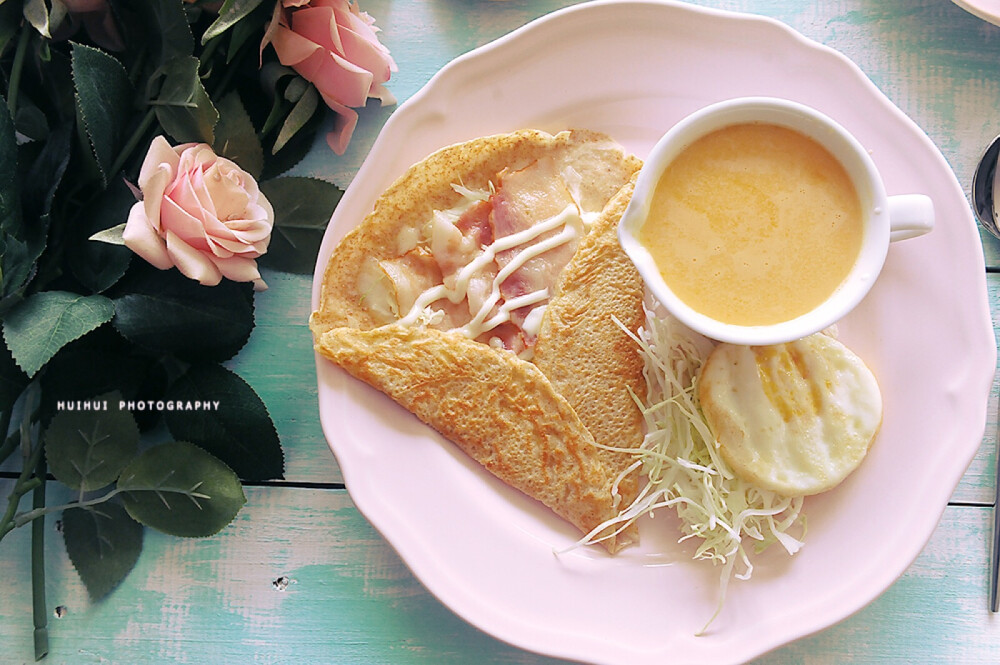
[234,243]
[240,269]
[350,18]
[194,156]
[381,93]
[175,219]
[344,122]
[187,193]
[237,243]
[243,235]
[228,190]
[340,79]
[292,49]
[335,46]
[256,227]
[185,187]
[360,39]
[152,194]
[367,55]
[200,198]
[333,75]
[159,156]
[266,208]
[318,25]
[191,262]
[140,236]
[194,162]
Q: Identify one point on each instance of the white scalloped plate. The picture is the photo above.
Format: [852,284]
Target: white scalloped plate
[632,69]
[988,10]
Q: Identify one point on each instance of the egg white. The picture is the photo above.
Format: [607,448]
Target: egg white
[794,418]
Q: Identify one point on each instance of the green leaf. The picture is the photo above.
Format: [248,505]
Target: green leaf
[272,75]
[16,255]
[296,88]
[99,363]
[46,172]
[10,21]
[30,121]
[114,235]
[235,136]
[99,265]
[166,29]
[237,428]
[12,382]
[183,106]
[104,95]
[231,13]
[87,449]
[298,117]
[57,94]
[103,543]
[248,29]
[166,312]
[41,325]
[181,490]
[302,209]
[295,150]
[39,185]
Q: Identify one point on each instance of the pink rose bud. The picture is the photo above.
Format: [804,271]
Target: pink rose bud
[200,213]
[333,44]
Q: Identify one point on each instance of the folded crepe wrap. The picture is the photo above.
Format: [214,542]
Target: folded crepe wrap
[544,426]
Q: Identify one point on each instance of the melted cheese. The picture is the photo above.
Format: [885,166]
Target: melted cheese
[486,267]
[569,224]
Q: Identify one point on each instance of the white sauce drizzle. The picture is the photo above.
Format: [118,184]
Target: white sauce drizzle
[533,322]
[457,293]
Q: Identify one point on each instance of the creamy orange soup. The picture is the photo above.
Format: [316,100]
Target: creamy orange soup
[754,224]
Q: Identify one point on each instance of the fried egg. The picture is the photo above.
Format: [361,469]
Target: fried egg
[795,418]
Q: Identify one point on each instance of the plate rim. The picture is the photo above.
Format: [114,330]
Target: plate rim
[440,78]
[976,8]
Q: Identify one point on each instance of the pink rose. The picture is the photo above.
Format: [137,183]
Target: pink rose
[200,213]
[333,44]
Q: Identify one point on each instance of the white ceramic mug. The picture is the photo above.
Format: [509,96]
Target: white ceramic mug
[885,218]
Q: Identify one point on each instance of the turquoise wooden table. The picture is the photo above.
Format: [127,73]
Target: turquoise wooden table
[301,577]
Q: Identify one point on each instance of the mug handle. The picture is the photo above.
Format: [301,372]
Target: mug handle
[910,215]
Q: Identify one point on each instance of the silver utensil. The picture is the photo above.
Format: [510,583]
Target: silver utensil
[984,183]
[995,552]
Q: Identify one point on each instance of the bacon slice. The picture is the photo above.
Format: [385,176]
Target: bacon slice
[523,199]
[456,244]
[496,406]
[475,223]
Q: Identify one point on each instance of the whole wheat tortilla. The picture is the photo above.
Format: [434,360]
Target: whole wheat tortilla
[583,347]
[532,426]
[427,186]
[498,409]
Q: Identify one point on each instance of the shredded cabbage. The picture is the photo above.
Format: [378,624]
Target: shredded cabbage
[680,461]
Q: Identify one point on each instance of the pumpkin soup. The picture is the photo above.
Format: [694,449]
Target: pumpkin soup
[754,224]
